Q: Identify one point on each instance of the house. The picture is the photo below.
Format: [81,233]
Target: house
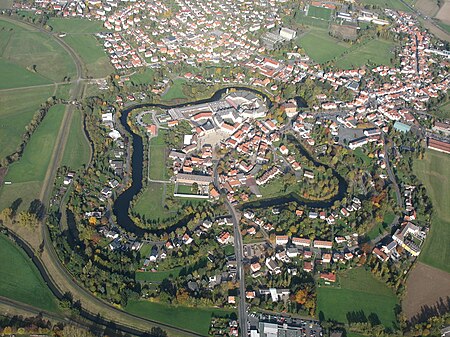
[301,242]
[281,240]
[254,267]
[380,255]
[272,265]
[329,277]
[308,266]
[224,238]
[326,258]
[323,244]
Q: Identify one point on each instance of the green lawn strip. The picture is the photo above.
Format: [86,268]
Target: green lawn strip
[158,149]
[18,108]
[92,54]
[76,25]
[380,227]
[320,46]
[14,76]
[144,77]
[21,280]
[36,156]
[158,276]
[189,318]
[359,290]
[76,153]
[374,51]
[28,48]
[434,172]
[175,91]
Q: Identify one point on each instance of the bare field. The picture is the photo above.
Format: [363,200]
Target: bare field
[444,13]
[427,293]
[427,7]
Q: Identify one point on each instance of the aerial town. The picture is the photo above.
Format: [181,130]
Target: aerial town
[225,168]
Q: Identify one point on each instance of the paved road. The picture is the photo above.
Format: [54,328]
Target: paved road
[239,253]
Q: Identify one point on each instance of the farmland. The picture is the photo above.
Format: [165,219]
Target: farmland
[434,172]
[16,268]
[359,291]
[376,51]
[193,319]
[19,77]
[28,173]
[320,46]
[76,153]
[30,49]
[18,108]
[91,52]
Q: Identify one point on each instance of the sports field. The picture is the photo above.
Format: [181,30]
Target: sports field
[15,269]
[30,49]
[319,12]
[18,108]
[76,25]
[376,51]
[158,149]
[320,46]
[27,174]
[359,290]
[193,319]
[92,53]
[434,172]
[76,153]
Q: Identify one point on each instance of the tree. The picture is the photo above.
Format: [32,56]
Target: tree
[72,331]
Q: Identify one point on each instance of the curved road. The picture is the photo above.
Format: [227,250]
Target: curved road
[50,266]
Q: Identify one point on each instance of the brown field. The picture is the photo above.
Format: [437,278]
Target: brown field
[427,7]
[444,13]
[427,293]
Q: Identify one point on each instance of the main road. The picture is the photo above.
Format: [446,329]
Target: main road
[239,253]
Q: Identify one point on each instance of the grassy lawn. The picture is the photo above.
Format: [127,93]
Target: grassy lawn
[158,149]
[18,108]
[15,76]
[15,269]
[27,173]
[361,155]
[76,25]
[302,19]
[158,276]
[76,153]
[175,91]
[376,51]
[193,319]
[150,203]
[380,227]
[319,12]
[393,4]
[445,110]
[27,48]
[144,77]
[320,46]
[434,172]
[359,290]
[92,54]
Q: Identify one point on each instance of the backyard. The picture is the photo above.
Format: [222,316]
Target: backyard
[359,291]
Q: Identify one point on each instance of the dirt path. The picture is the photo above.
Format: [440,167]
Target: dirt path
[427,293]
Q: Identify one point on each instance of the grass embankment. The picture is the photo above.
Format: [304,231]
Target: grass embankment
[18,108]
[27,174]
[21,280]
[76,153]
[359,290]
[434,172]
[193,319]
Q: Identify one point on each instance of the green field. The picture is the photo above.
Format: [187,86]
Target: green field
[443,26]
[19,77]
[393,4]
[444,110]
[29,49]
[144,77]
[434,172]
[6,3]
[158,276]
[92,53]
[320,46]
[76,153]
[76,25]
[18,108]
[193,319]
[378,52]
[359,290]
[302,19]
[175,91]
[150,203]
[380,227]
[27,173]
[158,149]
[319,12]
[17,269]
